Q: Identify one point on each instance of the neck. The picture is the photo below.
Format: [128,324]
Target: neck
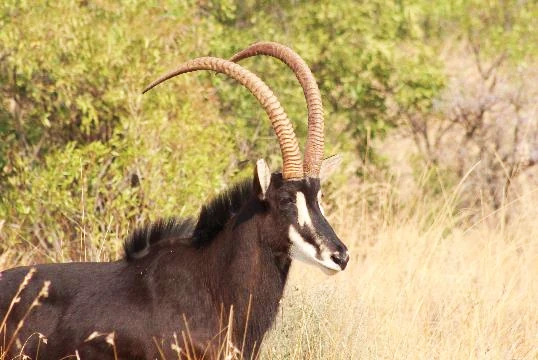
[253,277]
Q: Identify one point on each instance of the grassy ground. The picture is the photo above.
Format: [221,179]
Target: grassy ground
[420,285]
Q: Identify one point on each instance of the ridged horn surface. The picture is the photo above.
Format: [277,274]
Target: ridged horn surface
[291,156]
[314,143]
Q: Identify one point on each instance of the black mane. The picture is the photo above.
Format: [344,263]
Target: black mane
[138,244]
[211,220]
[215,214]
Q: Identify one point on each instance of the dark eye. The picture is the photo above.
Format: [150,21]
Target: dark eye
[286,201]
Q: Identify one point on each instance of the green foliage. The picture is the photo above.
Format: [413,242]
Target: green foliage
[495,26]
[76,134]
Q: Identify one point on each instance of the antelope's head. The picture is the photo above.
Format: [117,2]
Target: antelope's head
[297,193]
[296,206]
[293,197]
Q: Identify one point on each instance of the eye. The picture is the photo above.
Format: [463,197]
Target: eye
[286,200]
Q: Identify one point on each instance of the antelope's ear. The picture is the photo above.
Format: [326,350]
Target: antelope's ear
[262,178]
[329,166]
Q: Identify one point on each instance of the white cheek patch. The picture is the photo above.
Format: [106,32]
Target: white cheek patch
[303,216]
[302,250]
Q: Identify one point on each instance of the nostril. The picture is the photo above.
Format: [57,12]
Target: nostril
[335,259]
[340,259]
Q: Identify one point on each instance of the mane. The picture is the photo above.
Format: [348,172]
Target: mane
[211,220]
[174,230]
[216,214]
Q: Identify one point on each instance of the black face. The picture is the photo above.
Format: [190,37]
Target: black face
[312,239]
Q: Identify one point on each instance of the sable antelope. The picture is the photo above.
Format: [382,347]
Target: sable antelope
[183,273]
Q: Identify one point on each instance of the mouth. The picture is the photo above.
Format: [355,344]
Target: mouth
[335,263]
[329,266]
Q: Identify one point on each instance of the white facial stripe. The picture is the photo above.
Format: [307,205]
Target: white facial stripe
[319,204]
[303,217]
[306,252]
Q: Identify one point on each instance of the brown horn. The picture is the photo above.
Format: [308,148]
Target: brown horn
[292,168]
[314,141]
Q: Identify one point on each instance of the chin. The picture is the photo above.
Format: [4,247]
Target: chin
[329,271]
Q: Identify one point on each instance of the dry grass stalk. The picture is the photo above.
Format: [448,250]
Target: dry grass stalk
[43,293]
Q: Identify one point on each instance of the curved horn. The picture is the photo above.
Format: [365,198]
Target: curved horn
[291,156]
[314,141]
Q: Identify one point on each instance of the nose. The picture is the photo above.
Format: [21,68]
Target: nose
[340,259]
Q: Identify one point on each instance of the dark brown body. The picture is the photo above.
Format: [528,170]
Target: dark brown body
[144,300]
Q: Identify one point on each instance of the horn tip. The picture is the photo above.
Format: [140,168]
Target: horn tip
[149,87]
